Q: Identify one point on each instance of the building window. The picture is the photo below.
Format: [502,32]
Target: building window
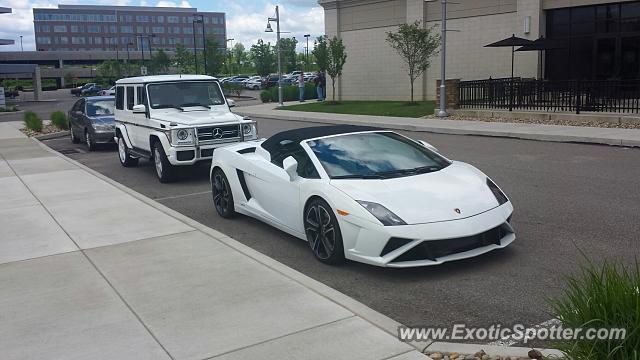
[160,19]
[64,40]
[158,30]
[176,30]
[78,40]
[97,40]
[214,20]
[93,28]
[43,40]
[142,18]
[187,30]
[140,29]
[127,29]
[59,28]
[173,19]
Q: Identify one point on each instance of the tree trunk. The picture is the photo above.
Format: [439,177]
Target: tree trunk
[333,87]
[412,91]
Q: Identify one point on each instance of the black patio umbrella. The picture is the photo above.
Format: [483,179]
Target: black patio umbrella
[512,42]
[541,44]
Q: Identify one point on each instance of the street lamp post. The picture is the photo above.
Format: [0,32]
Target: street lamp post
[128,59]
[21,47]
[195,52]
[269,29]
[204,41]
[306,52]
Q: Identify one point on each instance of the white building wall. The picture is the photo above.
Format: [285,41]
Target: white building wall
[468,59]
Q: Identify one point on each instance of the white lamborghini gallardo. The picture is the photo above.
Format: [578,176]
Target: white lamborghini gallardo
[363,194]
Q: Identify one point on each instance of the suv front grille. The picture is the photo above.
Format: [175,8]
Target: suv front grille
[220,133]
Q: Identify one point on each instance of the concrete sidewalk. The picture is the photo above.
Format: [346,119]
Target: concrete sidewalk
[92,270]
[609,136]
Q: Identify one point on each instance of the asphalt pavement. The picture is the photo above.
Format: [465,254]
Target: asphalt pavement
[572,202]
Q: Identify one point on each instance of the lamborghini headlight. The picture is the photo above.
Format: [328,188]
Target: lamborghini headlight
[182,137]
[384,215]
[500,196]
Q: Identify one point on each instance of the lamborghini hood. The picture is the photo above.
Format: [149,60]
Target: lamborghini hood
[426,198]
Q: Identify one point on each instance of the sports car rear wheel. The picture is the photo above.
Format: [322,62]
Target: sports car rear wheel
[222,196]
[323,232]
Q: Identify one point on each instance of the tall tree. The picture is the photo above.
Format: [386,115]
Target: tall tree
[337,56]
[263,57]
[239,56]
[215,57]
[416,45]
[108,71]
[183,60]
[321,53]
[160,62]
[288,51]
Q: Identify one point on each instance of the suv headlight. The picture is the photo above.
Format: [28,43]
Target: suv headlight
[384,215]
[182,137]
[250,130]
[103,127]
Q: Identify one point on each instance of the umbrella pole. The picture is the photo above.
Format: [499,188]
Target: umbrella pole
[513,51]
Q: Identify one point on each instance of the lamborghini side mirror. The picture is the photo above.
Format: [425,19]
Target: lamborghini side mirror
[290,165]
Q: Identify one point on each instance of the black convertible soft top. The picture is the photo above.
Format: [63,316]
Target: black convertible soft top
[297,135]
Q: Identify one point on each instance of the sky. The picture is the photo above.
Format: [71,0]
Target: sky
[246,20]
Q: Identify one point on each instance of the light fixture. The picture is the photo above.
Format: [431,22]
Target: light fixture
[268,29]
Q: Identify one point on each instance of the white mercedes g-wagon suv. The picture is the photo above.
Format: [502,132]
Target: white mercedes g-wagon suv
[175,120]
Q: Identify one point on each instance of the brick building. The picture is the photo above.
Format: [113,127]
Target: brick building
[102,28]
[602,37]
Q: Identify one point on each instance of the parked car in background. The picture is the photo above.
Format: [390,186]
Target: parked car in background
[270,80]
[175,120]
[91,120]
[94,89]
[253,84]
[77,91]
[109,91]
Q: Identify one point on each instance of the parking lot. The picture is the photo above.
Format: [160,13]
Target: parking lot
[569,199]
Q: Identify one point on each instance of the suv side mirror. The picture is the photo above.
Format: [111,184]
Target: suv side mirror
[139,109]
[231,103]
[290,165]
[427,145]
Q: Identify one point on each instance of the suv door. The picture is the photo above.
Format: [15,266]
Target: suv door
[124,115]
[143,123]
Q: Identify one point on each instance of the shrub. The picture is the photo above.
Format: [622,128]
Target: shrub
[606,297]
[32,121]
[59,120]
[265,96]
[289,93]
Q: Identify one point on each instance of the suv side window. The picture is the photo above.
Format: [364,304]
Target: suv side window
[306,169]
[141,99]
[120,97]
[130,97]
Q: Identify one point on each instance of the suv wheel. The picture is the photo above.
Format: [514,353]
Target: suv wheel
[123,153]
[164,169]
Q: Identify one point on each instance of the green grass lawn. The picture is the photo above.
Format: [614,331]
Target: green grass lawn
[378,108]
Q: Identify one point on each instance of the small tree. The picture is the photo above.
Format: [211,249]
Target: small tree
[321,53]
[416,45]
[183,60]
[335,61]
[215,57]
[68,79]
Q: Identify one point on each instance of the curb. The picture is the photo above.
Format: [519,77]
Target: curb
[377,319]
[452,131]
[53,135]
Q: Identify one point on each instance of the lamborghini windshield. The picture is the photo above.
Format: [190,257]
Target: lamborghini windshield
[183,94]
[374,155]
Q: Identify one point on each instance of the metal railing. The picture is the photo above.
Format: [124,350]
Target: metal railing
[617,96]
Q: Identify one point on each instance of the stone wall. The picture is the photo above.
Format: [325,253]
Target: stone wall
[451,92]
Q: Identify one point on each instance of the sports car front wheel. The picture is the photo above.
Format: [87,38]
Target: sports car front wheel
[222,196]
[323,232]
